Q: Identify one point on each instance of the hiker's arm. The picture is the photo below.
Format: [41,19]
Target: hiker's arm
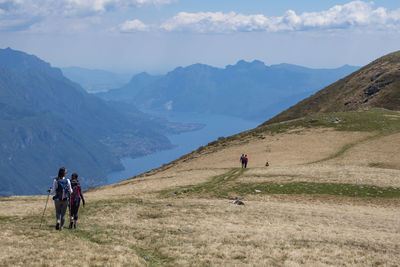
[69,186]
[80,192]
[53,189]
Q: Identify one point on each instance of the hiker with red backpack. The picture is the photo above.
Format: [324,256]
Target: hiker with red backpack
[245,160]
[62,189]
[75,200]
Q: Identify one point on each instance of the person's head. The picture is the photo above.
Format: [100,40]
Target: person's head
[74,176]
[62,172]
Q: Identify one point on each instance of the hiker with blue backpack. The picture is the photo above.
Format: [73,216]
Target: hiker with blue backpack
[62,189]
[75,200]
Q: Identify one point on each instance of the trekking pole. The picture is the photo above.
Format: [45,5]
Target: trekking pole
[70,212]
[48,195]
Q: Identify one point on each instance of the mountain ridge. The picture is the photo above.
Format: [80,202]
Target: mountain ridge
[374,85]
[48,121]
[246,89]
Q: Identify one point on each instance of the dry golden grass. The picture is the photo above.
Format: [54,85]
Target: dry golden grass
[381,152]
[129,224]
[297,147]
[324,173]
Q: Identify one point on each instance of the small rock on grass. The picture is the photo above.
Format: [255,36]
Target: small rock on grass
[238,202]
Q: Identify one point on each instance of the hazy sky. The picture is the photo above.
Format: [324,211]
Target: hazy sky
[159,35]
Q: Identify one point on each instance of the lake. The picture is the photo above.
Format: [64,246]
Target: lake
[215,126]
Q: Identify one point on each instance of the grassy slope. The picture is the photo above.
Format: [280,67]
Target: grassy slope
[354,92]
[301,214]
[378,121]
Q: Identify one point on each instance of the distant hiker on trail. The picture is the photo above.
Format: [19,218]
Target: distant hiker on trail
[242,160]
[266,164]
[246,159]
[75,200]
[62,189]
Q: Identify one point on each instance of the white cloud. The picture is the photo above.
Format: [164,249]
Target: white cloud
[154,2]
[26,11]
[101,6]
[133,26]
[352,14]
[215,22]
[74,6]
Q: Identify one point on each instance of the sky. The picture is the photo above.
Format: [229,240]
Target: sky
[157,36]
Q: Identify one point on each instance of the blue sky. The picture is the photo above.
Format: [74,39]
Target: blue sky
[159,35]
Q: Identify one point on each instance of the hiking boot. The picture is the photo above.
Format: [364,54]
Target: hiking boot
[58,225]
[70,225]
[74,225]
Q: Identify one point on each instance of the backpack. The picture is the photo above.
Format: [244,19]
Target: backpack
[76,191]
[62,191]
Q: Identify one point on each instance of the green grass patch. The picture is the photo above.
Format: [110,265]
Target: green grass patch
[345,148]
[306,188]
[380,120]
[108,206]
[376,165]
[9,219]
[213,187]
[10,199]
[97,237]
[153,257]
[224,185]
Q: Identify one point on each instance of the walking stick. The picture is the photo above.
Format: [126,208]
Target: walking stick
[48,195]
[70,212]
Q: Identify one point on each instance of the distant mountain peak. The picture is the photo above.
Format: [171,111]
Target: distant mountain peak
[288,66]
[243,64]
[21,61]
[142,77]
[192,68]
[143,73]
[254,62]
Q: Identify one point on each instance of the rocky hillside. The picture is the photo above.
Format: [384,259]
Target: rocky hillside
[375,85]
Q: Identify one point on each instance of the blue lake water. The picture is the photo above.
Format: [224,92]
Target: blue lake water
[215,126]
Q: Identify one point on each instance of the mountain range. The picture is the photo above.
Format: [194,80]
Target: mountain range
[249,90]
[48,121]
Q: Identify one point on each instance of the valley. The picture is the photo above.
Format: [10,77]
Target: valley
[184,142]
[325,199]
